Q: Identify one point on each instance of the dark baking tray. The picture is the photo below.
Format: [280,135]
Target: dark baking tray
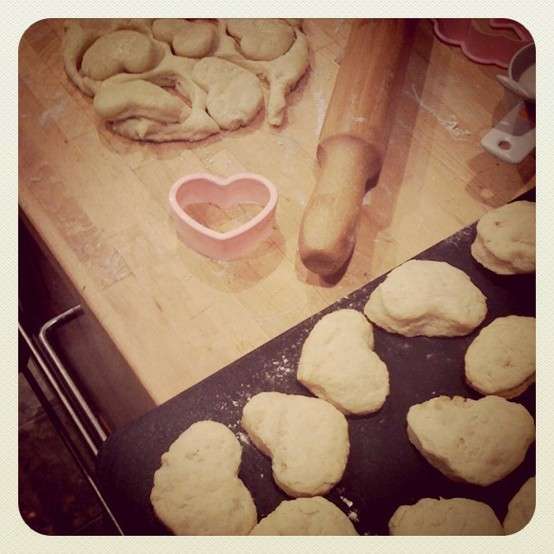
[384,470]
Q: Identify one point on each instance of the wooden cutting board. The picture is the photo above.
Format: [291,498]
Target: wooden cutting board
[99,202]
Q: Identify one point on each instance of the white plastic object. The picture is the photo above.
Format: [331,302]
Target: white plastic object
[512,138]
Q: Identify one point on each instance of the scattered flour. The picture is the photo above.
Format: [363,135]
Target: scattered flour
[347,501]
[52,113]
[452,125]
[243,437]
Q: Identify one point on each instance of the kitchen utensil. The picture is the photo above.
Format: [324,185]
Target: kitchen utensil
[353,140]
[243,188]
[484,40]
[513,137]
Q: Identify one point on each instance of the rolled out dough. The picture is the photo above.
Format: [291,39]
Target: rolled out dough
[224,91]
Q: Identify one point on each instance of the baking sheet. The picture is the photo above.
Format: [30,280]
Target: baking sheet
[384,470]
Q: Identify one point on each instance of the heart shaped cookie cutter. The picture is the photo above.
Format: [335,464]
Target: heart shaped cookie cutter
[242,188]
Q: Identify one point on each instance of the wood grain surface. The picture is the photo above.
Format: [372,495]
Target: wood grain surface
[99,202]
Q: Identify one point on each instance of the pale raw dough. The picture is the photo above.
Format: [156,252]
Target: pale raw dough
[234,94]
[338,364]
[188,39]
[196,490]
[172,71]
[454,516]
[261,39]
[521,508]
[428,298]
[118,52]
[477,441]
[501,359]
[305,516]
[505,241]
[140,49]
[307,439]
[282,74]
[138,98]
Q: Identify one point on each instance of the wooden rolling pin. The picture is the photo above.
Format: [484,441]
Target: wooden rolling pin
[353,139]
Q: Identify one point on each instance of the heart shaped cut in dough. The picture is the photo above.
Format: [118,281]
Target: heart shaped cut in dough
[307,439]
[262,39]
[120,51]
[196,490]
[234,94]
[338,364]
[476,441]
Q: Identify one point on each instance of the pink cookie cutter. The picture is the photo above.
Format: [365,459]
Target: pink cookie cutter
[481,40]
[243,188]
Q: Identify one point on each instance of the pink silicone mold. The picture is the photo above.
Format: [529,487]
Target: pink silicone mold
[483,47]
[243,188]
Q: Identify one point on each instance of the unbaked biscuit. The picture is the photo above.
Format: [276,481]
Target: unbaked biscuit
[306,438]
[454,516]
[476,441]
[429,298]
[305,516]
[521,508]
[338,364]
[196,490]
[505,241]
[501,359]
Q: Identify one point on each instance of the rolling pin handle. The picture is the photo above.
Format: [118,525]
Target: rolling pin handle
[328,228]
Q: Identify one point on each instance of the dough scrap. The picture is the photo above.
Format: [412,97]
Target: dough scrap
[196,490]
[188,39]
[338,364]
[282,74]
[505,241]
[428,298]
[454,516]
[501,359]
[117,52]
[262,39]
[476,441]
[76,41]
[140,49]
[175,72]
[117,101]
[307,439]
[305,516]
[234,94]
[521,508]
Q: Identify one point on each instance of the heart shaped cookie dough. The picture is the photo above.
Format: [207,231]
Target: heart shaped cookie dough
[243,188]
[338,364]
[306,438]
[477,441]
[305,517]
[196,490]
